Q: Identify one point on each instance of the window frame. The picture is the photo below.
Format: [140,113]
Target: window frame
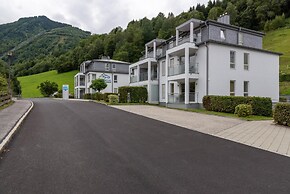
[233,93]
[223,36]
[115,78]
[107,67]
[233,64]
[246,93]
[246,65]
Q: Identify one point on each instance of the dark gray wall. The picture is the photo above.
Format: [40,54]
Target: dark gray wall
[98,66]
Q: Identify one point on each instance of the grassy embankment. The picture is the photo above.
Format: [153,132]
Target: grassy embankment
[29,83]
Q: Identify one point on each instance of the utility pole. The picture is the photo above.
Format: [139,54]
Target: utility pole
[10,55]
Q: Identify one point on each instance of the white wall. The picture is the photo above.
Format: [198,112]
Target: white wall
[263,73]
[123,80]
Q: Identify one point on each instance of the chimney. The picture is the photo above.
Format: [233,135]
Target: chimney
[225,19]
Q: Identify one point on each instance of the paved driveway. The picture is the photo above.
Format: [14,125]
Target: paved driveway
[83,147]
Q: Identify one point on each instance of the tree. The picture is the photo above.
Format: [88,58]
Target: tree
[232,11]
[47,88]
[214,13]
[3,84]
[98,84]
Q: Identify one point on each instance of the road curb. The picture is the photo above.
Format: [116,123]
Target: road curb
[11,133]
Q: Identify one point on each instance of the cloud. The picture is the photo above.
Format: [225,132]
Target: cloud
[97,16]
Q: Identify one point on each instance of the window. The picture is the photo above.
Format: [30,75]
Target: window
[232,87]
[132,71]
[107,67]
[172,88]
[163,91]
[163,68]
[115,79]
[89,77]
[241,38]
[246,61]
[223,34]
[113,67]
[94,76]
[246,88]
[232,59]
[171,62]
[115,90]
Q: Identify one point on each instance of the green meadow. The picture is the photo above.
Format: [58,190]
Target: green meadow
[29,83]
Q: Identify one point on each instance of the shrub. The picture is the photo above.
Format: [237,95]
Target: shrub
[87,96]
[137,94]
[281,114]
[243,110]
[47,88]
[260,105]
[282,99]
[98,84]
[105,96]
[98,96]
[113,99]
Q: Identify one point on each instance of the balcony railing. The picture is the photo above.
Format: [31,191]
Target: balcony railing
[133,79]
[180,69]
[149,55]
[177,98]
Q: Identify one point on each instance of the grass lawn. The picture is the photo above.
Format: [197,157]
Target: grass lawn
[29,83]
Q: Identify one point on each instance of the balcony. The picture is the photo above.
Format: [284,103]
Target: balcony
[82,83]
[149,55]
[133,79]
[180,69]
[179,98]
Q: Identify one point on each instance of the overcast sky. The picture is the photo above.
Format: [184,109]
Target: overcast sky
[96,16]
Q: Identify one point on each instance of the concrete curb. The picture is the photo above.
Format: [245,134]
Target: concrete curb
[9,136]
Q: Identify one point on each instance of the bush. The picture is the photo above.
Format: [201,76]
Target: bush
[47,88]
[113,99]
[282,99]
[260,105]
[97,96]
[243,110]
[87,96]
[105,96]
[137,94]
[281,114]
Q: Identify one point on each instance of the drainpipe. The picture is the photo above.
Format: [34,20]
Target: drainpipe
[207,72]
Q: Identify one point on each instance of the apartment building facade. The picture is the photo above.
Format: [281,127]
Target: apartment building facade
[115,73]
[206,58]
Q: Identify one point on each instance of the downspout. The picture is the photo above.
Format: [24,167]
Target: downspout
[207,61]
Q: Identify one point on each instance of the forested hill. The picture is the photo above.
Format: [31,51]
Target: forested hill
[128,44]
[36,41]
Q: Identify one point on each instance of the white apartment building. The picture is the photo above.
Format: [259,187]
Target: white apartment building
[206,58]
[115,73]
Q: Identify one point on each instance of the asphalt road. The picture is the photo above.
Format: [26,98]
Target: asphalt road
[84,147]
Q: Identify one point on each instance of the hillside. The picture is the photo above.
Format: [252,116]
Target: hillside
[29,83]
[36,42]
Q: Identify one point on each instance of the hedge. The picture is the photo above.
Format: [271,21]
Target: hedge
[261,105]
[98,96]
[281,114]
[137,94]
[113,99]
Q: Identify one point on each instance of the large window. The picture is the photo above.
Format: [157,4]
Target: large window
[115,79]
[246,88]
[223,34]
[232,87]
[115,90]
[89,77]
[163,68]
[232,59]
[171,88]
[113,67]
[94,76]
[246,61]
[163,91]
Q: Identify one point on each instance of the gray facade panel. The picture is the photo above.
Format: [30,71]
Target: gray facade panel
[253,41]
[97,66]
